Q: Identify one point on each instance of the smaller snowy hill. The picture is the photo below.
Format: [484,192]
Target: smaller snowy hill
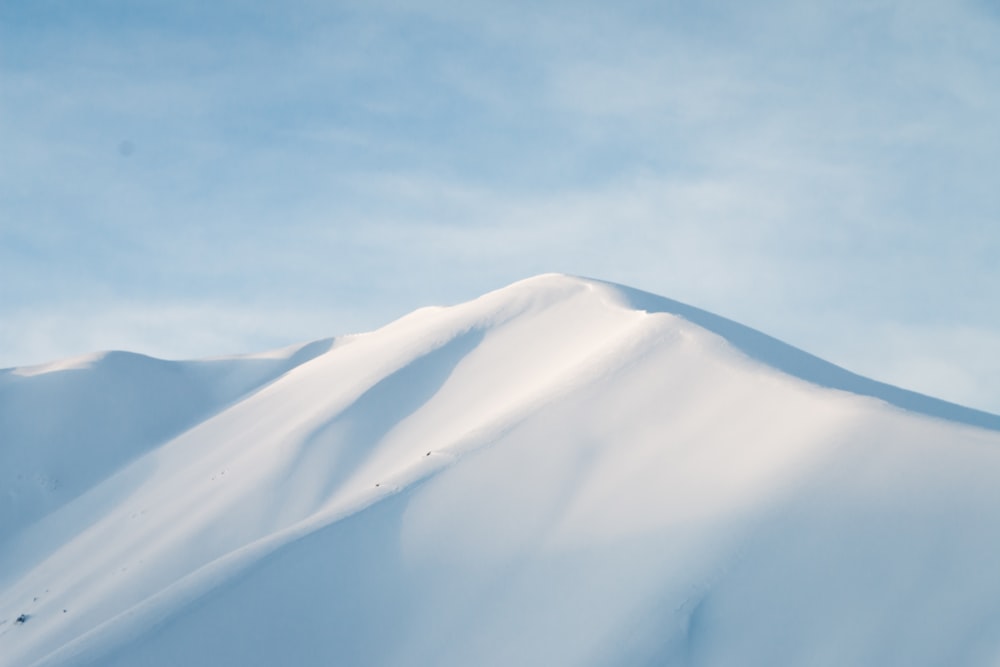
[70,424]
[561,472]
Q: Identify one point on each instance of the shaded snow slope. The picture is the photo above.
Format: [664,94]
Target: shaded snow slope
[68,425]
[794,361]
[562,472]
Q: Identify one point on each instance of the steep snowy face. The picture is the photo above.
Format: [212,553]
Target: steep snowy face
[562,472]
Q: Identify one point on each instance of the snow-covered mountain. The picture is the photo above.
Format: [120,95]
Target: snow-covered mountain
[561,472]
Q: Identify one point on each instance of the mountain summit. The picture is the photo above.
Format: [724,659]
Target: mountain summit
[561,472]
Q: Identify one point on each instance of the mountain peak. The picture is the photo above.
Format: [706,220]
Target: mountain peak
[754,344]
[564,471]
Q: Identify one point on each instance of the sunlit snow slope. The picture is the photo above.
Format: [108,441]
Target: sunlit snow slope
[562,472]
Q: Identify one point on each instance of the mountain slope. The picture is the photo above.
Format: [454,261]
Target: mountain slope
[70,424]
[562,472]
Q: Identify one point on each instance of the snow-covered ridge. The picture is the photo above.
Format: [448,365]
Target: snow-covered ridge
[69,424]
[791,360]
[561,472]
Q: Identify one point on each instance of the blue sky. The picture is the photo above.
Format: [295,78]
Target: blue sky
[187,178]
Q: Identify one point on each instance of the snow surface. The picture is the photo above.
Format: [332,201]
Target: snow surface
[561,472]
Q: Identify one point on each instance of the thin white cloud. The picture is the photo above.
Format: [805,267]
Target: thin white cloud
[785,164]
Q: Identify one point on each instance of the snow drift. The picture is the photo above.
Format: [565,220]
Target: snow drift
[561,472]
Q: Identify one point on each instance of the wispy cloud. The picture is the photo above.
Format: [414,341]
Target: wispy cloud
[795,166]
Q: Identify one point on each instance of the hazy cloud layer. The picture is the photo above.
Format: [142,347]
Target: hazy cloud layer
[185,179]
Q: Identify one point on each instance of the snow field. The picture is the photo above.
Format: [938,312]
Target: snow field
[562,472]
